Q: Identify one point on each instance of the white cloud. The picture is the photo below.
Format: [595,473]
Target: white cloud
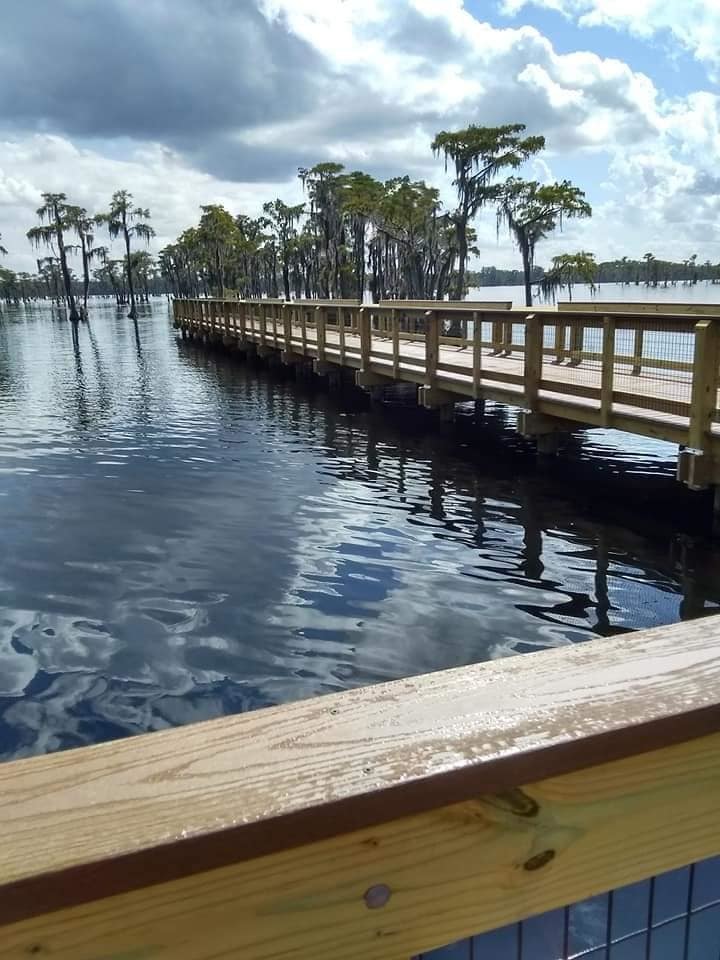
[157,177]
[386,76]
[695,24]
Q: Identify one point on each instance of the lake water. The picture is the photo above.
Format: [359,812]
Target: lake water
[614,292]
[186,536]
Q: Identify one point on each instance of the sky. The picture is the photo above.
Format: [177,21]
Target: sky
[189,102]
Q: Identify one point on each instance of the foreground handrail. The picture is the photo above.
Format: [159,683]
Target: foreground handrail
[376,823]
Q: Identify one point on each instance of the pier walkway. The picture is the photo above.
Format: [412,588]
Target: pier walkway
[631,367]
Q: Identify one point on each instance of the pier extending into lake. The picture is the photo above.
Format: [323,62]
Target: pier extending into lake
[651,370]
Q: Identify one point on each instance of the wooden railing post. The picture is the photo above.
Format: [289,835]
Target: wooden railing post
[365,339]
[577,340]
[705,383]
[341,333]
[395,324]
[507,338]
[477,353]
[287,312]
[321,328]
[638,351]
[559,341]
[497,337]
[608,370]
[303,329]
[432,347]
[262,317]
[533,360]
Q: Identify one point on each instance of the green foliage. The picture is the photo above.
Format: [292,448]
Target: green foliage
[129,222]
[55,217]
[567,270]
[480,154]
[532,210]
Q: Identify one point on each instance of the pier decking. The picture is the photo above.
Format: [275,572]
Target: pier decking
[630,367]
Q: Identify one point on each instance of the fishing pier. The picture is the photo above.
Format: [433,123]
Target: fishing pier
[631,367]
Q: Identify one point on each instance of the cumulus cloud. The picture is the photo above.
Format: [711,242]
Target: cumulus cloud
[196,101]
[695,24]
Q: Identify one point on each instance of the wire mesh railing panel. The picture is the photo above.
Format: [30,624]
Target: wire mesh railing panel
[675,916]
[572,360]
[653,366]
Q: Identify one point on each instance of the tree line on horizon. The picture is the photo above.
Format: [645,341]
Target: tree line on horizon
[353,234]
[648,271]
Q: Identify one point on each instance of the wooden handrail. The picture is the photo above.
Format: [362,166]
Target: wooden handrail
[639,313]
[447,305]
[670,306]
[221,831]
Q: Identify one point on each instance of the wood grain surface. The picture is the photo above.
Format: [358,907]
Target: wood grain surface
[101,820]
[415,883]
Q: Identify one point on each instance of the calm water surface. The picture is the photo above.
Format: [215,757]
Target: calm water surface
[184,536]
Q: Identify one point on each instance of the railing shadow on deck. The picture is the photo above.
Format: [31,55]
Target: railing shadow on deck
[387,822]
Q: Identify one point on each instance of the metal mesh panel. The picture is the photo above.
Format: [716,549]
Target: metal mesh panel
[654,365]
[573,355]
[675,916]
[643,365]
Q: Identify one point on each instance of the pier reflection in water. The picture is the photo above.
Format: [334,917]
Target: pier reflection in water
[186,536]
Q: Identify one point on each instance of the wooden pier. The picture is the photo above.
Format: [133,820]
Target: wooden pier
[383,822]
[631,367]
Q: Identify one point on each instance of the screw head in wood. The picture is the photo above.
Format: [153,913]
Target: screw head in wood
[377,896]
